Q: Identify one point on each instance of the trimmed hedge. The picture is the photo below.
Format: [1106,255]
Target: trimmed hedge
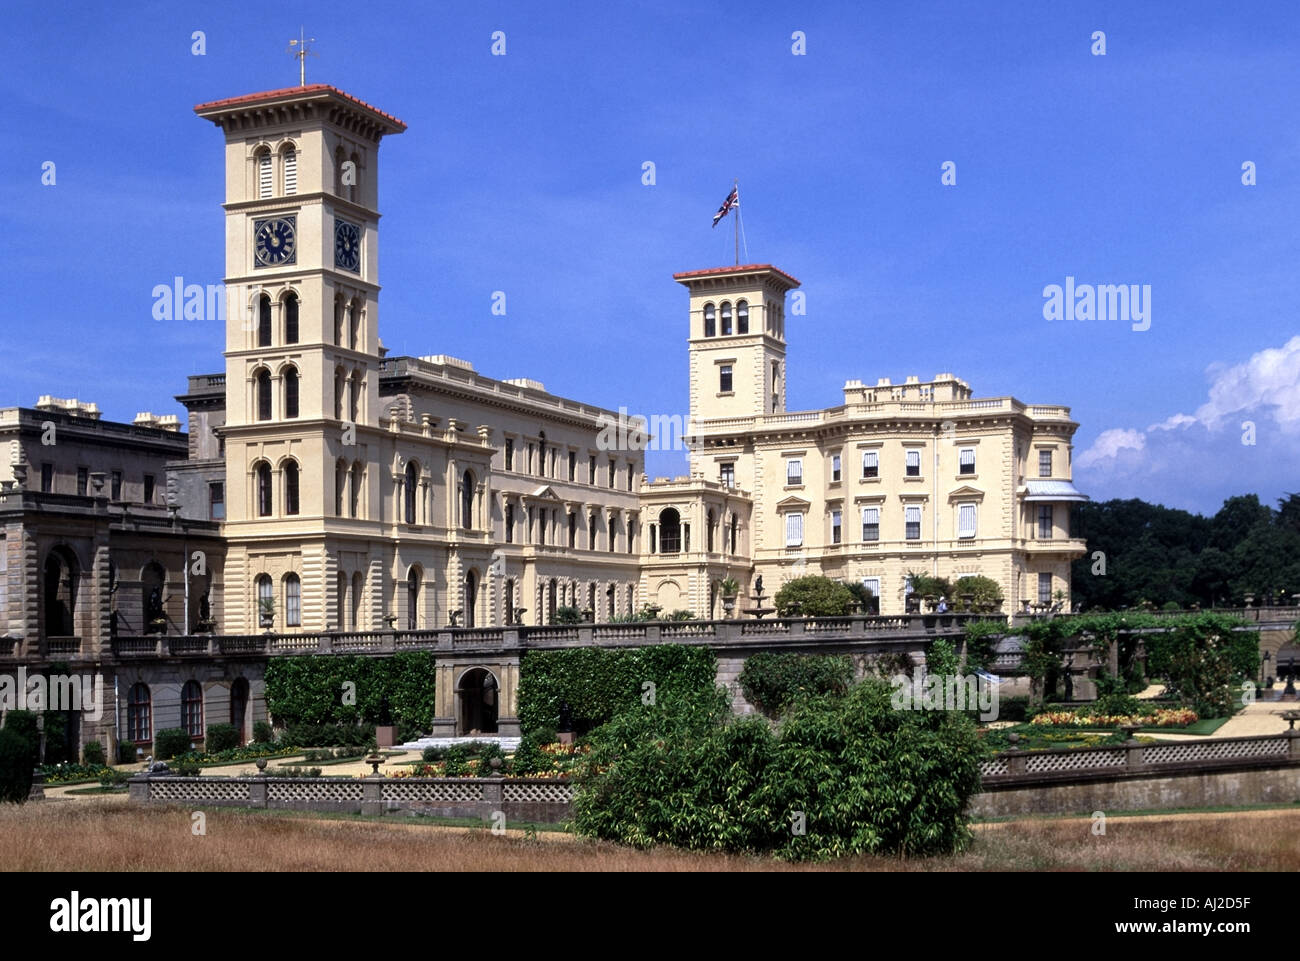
[599,683]
[171,741]
[773,681]
[309,689]
[221,737]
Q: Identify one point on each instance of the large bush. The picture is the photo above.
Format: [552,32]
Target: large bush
[814,596]
[171,741]
[92,754]
[310,689]
[987,592]
[772,681]
[18,756]
[847,775]
[221,737]
[598,683]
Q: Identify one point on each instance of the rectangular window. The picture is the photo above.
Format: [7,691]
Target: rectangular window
[912,521]
[872,584]
[510,454]
[293,602]
[591,470]
[871,523]
[965,520]
[835,468]
[793,530]
[727,475]
[115,486]
[1044,463]
[967,460]
[510,523]
[913,463]
[47,478]
[724,379]
[870,463]
[835,527]
[148,488]
[217,501]
[530,458]
[1044,588]
[573,466]
[1045,522]
[794,472]
[630,468]
[83,478]
[611,475]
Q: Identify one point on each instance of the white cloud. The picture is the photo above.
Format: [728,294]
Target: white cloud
[1174,422]
[1268,381]
[1108,445]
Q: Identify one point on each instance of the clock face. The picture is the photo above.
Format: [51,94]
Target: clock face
[347,246]
[275,242]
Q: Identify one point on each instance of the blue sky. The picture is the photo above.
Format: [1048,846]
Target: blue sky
[523,174]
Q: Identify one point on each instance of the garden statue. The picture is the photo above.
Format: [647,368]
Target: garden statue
[758,586]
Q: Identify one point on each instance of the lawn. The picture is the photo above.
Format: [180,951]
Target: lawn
[95,835]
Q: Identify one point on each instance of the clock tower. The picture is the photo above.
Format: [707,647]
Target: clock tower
[302,350]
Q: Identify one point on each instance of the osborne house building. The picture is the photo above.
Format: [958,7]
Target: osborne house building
[323,485]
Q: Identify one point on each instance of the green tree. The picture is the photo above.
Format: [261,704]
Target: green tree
[815,596]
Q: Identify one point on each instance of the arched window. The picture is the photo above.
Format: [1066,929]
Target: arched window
[412,480]
[734,525]
[467,500]
[263,382]
[340,487]
[265,600]
[290,487]
[192,708]
[291,392]
[413,582]
[354,324]
[264,184]
[263,474]
[338,321]
[573,529]
[510,523]
[354,506]
[354,396]
[341,600]
[670,531]
[358,585]
[708,532]
[354,187]
[290,170]
[60,593]
[726,318]
[139,714]
[339,379]
[710,321]
[290,318]
[742,317]
[471,597]
[292,601]
[541,461]
[264,321]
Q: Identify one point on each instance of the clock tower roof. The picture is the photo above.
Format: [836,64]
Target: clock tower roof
[317,100]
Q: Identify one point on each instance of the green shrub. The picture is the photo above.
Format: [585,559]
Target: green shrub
[529,757]
[187,767]
[431,754]
[856,775]
[567,615]
[815,596]
[925,584]
[221,737]
[331,735]
[171,741]
[486,753]
[17,760]
[1116,705]
[598,683]
[988,593]
[456,761]
[126,753]
[681,615]
[92,755]
[263,733]
[112,777]
[773,681]
[308,690]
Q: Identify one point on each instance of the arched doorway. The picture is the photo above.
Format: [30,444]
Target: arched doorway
[477,696]
[239,708]
[60,583]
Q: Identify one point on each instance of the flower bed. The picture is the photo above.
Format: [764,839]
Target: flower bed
[1167,717]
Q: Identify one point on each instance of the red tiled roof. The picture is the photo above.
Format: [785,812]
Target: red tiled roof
[745,269]
[284,92]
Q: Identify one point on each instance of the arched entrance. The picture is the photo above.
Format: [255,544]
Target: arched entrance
[60,583]
[239,708]
[477,701]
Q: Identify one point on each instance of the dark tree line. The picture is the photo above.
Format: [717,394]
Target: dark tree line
[1172,557]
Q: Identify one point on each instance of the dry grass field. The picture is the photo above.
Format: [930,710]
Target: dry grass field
[101,835]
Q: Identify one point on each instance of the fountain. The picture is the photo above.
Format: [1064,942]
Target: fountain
[758,610]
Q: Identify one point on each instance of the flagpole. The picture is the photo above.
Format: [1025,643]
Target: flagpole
[736,185]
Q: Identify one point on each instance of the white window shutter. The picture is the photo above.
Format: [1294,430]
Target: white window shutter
[290,171]
[264,176]
[793,530]
[966,520]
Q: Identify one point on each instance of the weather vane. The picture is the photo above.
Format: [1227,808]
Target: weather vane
[302,51]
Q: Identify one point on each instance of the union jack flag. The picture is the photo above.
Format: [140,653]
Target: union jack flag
[733,200]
